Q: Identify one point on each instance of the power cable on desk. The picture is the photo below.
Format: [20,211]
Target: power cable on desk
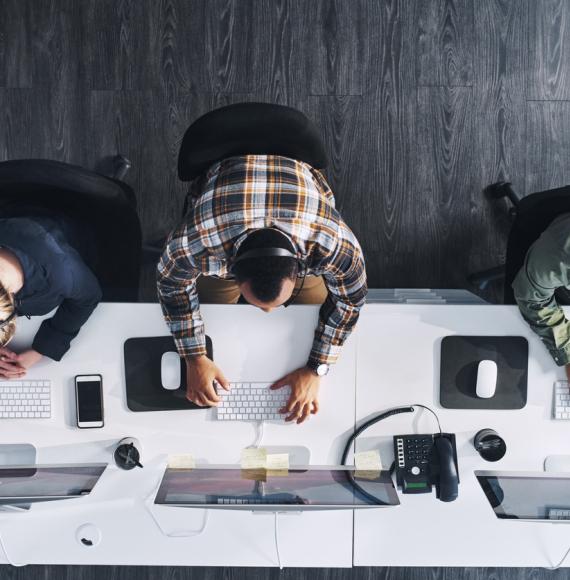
[259,425]
[277,542]
[560,562]
[177,533]
[8,559]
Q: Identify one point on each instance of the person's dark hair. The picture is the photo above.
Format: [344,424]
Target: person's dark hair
[265,275]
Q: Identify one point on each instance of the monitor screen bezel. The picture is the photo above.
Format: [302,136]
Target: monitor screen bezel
[483,476]
[15,500]
[161,492]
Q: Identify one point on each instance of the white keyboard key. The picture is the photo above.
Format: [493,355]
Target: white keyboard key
[561,401]
[25,399]
[252,402]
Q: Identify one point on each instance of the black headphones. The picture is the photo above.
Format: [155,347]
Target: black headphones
[269,253]
[265,253]
[276,253]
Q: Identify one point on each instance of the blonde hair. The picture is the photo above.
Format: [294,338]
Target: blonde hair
[7,308]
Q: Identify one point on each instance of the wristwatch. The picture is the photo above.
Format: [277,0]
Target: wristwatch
[319,369]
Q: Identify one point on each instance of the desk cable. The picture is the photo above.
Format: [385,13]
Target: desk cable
[257,443]
[8,559]
[276,535]
[560,562]
[176,533]
[259,428]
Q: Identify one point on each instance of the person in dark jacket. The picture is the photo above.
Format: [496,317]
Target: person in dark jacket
[39,271]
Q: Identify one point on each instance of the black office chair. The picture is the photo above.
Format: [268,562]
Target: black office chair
[249,129]
[532,215]
[102,210]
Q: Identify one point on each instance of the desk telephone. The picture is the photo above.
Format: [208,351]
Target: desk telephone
[423,461]
[420,461]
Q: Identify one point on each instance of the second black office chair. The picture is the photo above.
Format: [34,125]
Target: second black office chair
[532,215]
[102,209]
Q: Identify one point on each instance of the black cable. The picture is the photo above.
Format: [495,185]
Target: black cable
[369,423]
[366,425]
[433,413]
[350,475]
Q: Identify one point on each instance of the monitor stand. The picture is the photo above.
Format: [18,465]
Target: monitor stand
[557,464]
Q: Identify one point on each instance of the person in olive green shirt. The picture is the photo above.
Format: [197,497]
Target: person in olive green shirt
[546,269]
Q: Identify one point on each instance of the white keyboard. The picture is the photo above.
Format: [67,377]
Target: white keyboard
[25,399]
[251,402]
[561,400]
[559,514]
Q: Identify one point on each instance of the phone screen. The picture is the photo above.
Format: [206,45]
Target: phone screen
[89,404]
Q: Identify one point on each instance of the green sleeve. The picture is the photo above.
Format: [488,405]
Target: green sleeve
[545,269]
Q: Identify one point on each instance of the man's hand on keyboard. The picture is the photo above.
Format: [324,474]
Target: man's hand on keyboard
[201,373]
[304,399]
[568,372]
[10,368]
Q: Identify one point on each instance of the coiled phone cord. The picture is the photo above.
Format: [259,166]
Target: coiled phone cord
[366,425]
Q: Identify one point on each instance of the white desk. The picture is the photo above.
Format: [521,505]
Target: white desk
[398,364]
[248,344]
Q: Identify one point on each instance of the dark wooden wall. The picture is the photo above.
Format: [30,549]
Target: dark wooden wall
[421,103]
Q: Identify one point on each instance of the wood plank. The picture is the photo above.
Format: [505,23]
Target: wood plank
[16,59]
[284,63]
[444,42]
[43,123]
[117,44]
[57,38]
[208,45]
[500,129]
[549,50]
[337,47]
[548,151]
[443,185]
[391,70]
[134,123]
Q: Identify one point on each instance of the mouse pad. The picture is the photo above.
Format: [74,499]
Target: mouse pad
[142,375]
[460,357]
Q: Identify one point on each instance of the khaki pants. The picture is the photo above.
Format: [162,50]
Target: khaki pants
[217,291]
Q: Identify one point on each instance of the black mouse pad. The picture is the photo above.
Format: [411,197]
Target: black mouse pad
[143,357]
[460,357]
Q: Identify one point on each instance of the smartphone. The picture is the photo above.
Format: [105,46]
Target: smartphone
[89,401]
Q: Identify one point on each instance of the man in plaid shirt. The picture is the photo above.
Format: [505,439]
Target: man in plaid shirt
[259,201]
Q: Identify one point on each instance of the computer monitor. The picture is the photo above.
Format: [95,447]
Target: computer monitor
[38,483]
[527,495]
[299,488]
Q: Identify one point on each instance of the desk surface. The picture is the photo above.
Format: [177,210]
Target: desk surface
[248,345]
[398,364]
[391,360]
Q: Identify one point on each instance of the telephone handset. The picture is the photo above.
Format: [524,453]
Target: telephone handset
[423,461]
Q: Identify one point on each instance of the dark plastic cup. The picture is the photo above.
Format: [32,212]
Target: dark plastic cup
[490,445]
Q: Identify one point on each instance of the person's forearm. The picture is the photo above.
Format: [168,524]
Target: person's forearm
[332,331]
[181,311]
[550,324]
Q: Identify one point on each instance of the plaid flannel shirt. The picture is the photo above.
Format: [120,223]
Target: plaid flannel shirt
[245,193]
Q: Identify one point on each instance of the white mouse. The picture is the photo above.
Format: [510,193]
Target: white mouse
[170,370]
[486,379]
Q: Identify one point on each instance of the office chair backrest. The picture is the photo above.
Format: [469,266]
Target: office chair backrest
[104,207]
[249,128]
[37,177]
[536,211]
